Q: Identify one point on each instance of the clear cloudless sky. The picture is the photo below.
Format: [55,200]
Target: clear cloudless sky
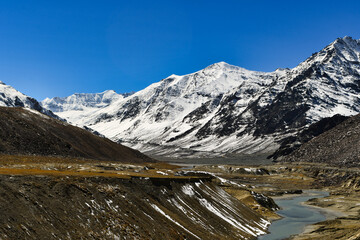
[57,48]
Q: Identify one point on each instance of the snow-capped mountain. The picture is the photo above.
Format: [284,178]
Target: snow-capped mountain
[10,97]
[228,109]
[73,106]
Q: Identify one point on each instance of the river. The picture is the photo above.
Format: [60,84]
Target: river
[296,216]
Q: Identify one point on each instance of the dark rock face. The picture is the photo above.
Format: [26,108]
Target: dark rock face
[339,146]
[290,144]
[198,113]
[287,111]
[25,132]
[132,109]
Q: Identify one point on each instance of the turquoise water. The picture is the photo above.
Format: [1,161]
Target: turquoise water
[295,216]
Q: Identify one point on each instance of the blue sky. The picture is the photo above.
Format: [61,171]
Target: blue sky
[56,48]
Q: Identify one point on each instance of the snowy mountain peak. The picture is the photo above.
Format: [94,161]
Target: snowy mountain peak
[220,64]
[346,39]
[346,43]
[280,70]
[173,76]
[10,97]
[340,53]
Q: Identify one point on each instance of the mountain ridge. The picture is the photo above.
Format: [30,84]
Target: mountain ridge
[10,97]
[225,108]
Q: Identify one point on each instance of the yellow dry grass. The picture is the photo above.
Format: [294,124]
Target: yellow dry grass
[58,166]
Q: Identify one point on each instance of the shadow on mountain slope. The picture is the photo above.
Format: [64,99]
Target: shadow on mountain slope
[28,132]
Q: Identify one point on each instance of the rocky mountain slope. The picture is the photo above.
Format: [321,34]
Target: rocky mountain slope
[227,109]
[89,207]
[339,146]
[10,97]
[26,131]
[291,143]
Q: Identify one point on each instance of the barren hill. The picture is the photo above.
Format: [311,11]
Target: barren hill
[25,131]
[338,146]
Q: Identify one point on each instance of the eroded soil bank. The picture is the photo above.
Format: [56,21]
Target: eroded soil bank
[77,199]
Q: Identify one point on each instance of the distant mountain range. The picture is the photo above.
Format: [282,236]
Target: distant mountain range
[73,105]
[223,108]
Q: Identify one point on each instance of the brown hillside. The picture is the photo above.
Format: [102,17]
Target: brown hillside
[28,132]
[338,146]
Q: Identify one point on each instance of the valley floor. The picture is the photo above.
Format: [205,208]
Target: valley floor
[78,197]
